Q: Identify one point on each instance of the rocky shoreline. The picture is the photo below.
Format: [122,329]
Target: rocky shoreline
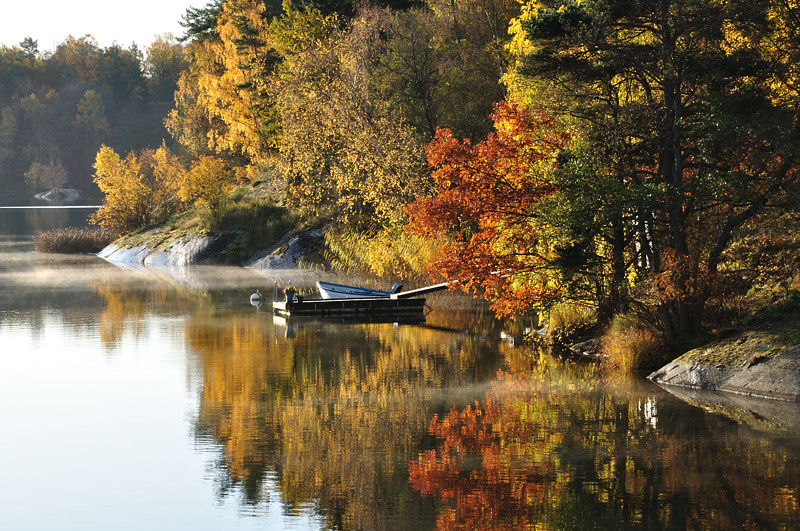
[760,363]
[159,249]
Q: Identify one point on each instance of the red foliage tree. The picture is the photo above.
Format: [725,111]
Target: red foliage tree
[486,208]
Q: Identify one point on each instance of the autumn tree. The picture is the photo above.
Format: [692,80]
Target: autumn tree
[676,102]
[487,209]
[222,104]
[140,189]
[344,148]
[79,59]
[165,61]
[208,184]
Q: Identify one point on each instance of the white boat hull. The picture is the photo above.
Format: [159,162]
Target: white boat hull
[329,290]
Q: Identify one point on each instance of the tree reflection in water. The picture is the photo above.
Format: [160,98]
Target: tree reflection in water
[377,426]
[536,455]
[334,410]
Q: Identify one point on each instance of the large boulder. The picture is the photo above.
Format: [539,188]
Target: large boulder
[764,363]
[59,194]
[175,252]
[292,252]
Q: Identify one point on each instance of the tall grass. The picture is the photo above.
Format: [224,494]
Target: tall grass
[256,225]
[569,320]
[71,240]
[629,345]
[388,253]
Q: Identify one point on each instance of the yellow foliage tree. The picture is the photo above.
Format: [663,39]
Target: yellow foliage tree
[207,184]
[125,205]
[222,97]
[343,145]
[139,189]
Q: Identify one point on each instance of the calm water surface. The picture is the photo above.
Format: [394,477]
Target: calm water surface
[148,400]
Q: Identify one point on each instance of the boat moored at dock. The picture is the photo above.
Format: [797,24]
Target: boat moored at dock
[330,290]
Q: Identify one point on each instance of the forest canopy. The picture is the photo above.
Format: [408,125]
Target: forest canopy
[58,107]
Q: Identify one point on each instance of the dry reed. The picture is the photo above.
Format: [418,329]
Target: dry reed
[71,240]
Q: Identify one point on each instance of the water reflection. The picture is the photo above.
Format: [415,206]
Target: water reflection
[535,453]
[336,409]
[345,425]
[22,220]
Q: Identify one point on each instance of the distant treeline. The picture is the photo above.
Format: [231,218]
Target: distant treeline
[58,107]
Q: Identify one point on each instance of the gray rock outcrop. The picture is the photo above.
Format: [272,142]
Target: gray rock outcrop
[291,252]
[762,363]
[182,251]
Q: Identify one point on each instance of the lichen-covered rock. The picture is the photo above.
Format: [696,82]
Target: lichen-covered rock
[763,363]
[182,251]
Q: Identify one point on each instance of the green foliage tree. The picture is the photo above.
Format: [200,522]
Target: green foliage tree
[46,176]
[200,23]
[344,148]
[121,70]
[166,60]
[30,47]
[8,131]
[90,115]
[674,100]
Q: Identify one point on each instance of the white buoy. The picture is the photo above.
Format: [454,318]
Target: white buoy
[256,299]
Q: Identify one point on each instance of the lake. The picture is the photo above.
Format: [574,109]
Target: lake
[161,399]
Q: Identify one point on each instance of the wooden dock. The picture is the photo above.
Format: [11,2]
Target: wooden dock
[421,291]
[351,307]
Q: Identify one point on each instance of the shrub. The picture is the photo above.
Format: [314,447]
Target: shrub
[253,226]
[779,306]
[71,240]
[629,345]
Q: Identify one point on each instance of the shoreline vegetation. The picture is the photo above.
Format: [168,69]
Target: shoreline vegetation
[72,240]
[725,362]
[636,192]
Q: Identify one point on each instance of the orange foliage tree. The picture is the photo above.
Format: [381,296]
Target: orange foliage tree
[485,209]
